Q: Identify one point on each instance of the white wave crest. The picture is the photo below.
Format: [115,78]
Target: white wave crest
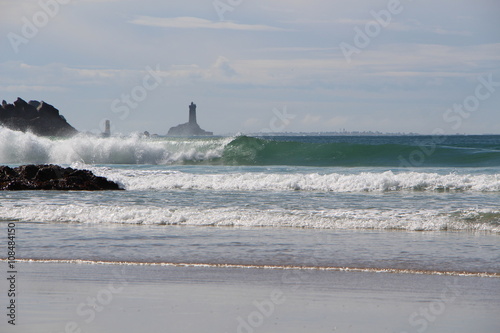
[333,182]
[427,220]
[18,147]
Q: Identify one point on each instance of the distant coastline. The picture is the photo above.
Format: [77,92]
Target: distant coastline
[356,133]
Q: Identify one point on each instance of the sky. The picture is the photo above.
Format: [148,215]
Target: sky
[424,66]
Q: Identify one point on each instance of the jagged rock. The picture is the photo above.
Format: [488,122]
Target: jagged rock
[52,177]
[6,173]
[20,103]
[35,104]
[27,171]
[187,129]
[38,117]
[47,110]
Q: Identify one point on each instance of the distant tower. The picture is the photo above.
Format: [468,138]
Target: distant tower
[107,129]
[192,113]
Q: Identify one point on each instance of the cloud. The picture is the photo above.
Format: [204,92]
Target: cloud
[415,65]
[337,121]
[251,122]
[31,88]
[198,23]
[416,26]
[223,66]
[408,26]
[310,119]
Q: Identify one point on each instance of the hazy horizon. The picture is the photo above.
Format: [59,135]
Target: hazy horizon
[255,66]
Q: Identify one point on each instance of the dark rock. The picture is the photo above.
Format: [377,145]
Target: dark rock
[47,110]
[20,103]
[46,174]
[24,110]
[9,107]
[27,171]
[39,118]
[6,111]
[6,172]
[34,104]
[52,177]
[15,185]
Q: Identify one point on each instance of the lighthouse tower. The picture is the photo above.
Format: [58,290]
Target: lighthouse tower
[191,128]
[107,130]
[192,114]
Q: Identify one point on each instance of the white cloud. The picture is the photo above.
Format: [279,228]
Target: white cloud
[32,88]
[223,66]
[373,67]
[416,26]
[407,26]
[337,121]
[199,23]
[98,49]
[311,119]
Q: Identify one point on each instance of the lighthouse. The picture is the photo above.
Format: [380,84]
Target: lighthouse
[192,114]
[191,128]
[107,130]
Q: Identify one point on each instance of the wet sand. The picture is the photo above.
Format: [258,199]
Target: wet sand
[63,297]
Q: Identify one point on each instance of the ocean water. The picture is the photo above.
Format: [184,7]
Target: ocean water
[408,204]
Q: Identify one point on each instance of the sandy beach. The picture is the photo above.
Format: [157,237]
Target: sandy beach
[62,297]
[231,166]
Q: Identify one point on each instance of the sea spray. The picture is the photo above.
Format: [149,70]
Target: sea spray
[23,148]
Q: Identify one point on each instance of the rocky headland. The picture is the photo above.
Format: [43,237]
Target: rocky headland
[52,177]
[37,117]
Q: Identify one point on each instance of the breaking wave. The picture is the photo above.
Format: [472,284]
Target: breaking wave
[485,220]
[17,148]
[332,182]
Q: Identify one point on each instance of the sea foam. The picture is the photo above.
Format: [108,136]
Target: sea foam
[369,219]
[19,148]
[331,182]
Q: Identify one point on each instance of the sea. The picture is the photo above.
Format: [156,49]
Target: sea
[410,204]
[359,233]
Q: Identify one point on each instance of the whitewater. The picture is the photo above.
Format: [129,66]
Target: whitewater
[249,200]
[18,147]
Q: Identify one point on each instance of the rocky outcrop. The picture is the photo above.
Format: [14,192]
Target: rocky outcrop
[187,129]
[39,118]
[190,128]
[52,177]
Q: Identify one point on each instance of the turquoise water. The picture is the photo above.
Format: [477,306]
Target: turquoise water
[405,151]
[406,203]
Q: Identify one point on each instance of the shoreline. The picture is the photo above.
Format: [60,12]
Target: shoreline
[261,267]
[63,297]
